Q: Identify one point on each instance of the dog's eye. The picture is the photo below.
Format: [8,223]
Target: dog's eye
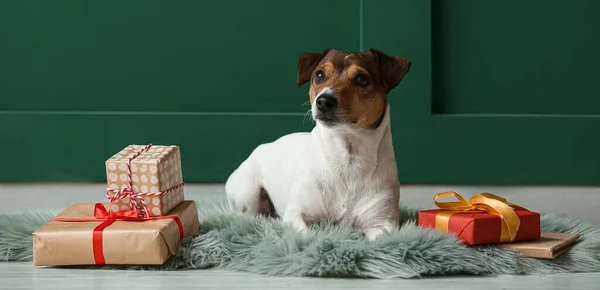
[319,76]
[361,80]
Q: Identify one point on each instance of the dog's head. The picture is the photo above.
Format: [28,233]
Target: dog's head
[350,88]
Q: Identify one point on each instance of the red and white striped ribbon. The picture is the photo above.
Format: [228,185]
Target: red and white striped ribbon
[135,197]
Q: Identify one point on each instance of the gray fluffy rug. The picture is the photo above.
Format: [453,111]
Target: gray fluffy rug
[265,246]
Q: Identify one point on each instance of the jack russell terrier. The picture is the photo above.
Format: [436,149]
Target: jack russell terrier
[344,170]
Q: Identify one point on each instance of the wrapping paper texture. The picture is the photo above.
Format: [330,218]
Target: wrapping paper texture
[483,228]
[60,243]
[155,170]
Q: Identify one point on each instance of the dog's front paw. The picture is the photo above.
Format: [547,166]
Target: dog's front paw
[300,227]
[373,233]
[296,223]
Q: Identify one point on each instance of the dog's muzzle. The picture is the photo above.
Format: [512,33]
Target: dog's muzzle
[326,109]
[326,103]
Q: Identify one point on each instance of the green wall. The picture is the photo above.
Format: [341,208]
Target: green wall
[500,92]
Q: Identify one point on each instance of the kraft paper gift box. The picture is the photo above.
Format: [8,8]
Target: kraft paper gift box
[154,175]
[485,219]
[87,234]
[549,246]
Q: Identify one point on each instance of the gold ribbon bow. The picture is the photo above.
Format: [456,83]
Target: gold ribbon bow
[484,202]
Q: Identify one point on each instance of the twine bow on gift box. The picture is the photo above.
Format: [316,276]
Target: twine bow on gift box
[136,198]
[484,202]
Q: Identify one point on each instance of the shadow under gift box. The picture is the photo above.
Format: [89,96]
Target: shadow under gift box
[476,228]
[149,242]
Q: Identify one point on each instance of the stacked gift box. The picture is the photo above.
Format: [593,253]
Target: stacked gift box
[142,222]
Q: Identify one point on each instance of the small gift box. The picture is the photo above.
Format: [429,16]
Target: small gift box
[484,219]
[549,246]
[87,234]
[146,178]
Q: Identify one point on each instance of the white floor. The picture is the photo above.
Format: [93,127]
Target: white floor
[579,202]
[24,276]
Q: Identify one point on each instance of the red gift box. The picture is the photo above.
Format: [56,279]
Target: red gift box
[485,219]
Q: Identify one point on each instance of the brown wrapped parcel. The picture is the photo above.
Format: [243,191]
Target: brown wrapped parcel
[85,241]
[549,246]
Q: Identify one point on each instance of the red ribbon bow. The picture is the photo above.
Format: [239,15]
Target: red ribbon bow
[108,218]
[100,212]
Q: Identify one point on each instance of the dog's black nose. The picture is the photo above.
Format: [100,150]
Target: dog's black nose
[326,102]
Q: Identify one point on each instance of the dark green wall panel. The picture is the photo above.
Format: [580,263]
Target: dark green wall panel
[500,92]
[514,56]
[79,80]
[192,56]
[73,147]
[450,123]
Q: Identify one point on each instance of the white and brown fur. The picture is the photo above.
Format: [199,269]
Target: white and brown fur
[344,170]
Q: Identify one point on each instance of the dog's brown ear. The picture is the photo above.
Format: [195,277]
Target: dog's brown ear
[391,68]
[307,64]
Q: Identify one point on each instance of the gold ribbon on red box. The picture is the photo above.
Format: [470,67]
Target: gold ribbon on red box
[484,202]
